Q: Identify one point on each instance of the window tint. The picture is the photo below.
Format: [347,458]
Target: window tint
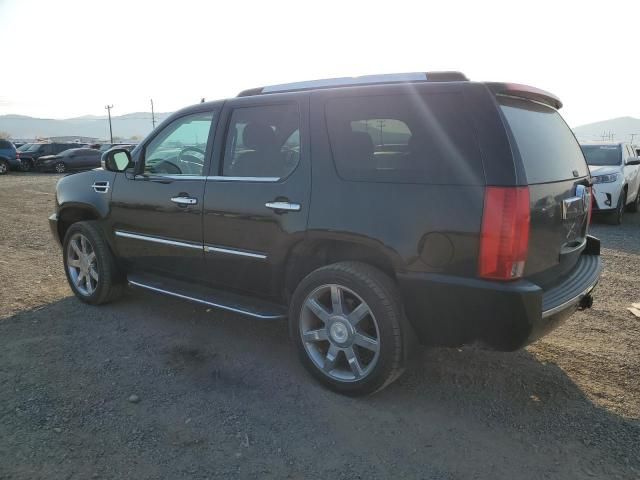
[262,142]
[4,144]
[422,138]
[179,149]
[547,146]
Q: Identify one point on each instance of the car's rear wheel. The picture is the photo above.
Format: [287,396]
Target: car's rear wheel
[89,264]
[615,218]
[4,167]
[348,325]
[60,167]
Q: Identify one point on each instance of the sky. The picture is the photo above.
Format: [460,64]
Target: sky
[69,58]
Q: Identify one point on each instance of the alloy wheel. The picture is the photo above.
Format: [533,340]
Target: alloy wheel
[60,168]
[82,265]
[339,333]
[3,168]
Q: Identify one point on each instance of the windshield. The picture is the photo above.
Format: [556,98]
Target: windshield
[24,147]
[32,147]
[602,154]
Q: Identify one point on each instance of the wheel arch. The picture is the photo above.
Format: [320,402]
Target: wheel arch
[71,213]
[313,253]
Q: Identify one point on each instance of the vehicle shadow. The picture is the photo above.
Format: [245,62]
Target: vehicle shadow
[216,387]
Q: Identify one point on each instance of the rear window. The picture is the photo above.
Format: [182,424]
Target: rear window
[602,154]
[546,144]
[421,138]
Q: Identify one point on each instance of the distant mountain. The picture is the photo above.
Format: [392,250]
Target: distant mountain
[125,126]
[621,128]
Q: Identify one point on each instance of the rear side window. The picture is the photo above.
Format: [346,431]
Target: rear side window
[546,144]
[262,142]
[5,145]
[421,138]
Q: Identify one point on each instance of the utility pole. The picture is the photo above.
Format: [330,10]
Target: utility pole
[633,135]
[109,107]
[153,116]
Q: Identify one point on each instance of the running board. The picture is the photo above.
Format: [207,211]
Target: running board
[232,302]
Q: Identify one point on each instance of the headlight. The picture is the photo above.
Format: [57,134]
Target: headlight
[612,177]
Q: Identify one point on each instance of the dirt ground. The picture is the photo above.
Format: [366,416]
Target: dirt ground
[221,396]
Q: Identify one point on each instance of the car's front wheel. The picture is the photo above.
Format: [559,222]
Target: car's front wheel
[348,325]
[615,218]
[4,167]
[89,264]
[26,165]
[635,206]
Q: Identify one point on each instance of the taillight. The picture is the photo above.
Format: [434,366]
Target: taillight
[504,239]
[18,155]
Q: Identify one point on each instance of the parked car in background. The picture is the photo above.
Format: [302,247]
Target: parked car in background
[34,151]
[107,146]
[371,212]
[8,157]
[69,160]
[615,171]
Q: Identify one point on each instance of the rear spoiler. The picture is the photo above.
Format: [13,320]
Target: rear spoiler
[526,92]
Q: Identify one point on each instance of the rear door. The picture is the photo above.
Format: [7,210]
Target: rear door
[559,186]
[257,196]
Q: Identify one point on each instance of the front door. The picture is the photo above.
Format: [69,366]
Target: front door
[257,195]
[157,207]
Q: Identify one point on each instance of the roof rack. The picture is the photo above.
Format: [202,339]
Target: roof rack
[363,80]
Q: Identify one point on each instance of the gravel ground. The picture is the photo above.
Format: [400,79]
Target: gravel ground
[152,387]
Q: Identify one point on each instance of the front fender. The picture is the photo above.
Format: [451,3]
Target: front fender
[77,190]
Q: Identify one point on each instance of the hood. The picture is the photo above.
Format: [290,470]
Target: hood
[603,169]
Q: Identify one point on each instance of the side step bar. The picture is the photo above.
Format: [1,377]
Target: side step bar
[228,301]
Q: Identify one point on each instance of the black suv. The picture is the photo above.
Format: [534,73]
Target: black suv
[30,155]
[372,212]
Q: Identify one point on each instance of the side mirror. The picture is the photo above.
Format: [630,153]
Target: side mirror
[116,160]
[633,161]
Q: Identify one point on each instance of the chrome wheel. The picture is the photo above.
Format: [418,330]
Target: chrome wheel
[60,168]
[82,264]
[339,333]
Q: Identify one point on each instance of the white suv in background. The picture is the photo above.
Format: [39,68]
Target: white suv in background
[615,170]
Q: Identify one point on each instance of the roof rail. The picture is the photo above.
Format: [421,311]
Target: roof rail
[363,80]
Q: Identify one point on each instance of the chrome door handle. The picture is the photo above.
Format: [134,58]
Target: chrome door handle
[284,206]
[184,200]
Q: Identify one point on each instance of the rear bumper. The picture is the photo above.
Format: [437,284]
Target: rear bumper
[446,310]
[14,163]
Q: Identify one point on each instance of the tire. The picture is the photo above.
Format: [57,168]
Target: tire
[109,282]
[635,206]
[330,342]
[26,165]
[4,167]
[60,167]
[615,218]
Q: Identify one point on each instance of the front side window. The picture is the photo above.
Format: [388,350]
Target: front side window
[179,149]
[421,138]
[262,142]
